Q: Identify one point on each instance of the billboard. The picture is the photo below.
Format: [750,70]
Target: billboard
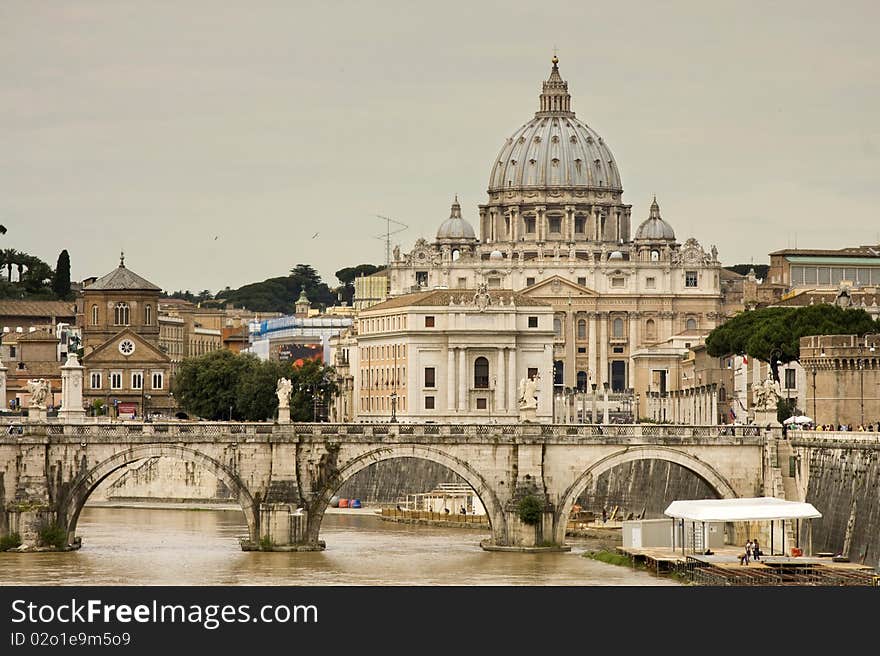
[299,353]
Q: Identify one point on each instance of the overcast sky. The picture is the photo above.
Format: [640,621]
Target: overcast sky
[212,139]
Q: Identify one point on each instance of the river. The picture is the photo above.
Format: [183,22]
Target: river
[168,546]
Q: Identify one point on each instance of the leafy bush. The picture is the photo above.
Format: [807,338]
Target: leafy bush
[11,541]
[52,535]
[530,509]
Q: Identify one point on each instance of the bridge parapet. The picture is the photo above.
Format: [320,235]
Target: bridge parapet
[441,433]
[835,439]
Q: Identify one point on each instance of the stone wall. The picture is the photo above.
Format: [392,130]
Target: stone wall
[843,484]
[649,485]
[387,482]
[163,479]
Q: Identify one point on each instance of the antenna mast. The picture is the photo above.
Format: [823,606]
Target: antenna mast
[387,236]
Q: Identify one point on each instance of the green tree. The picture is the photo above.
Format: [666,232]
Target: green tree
[761,270]
[313,389]
[207,386]
[61,280]
[257,400]
[773,334]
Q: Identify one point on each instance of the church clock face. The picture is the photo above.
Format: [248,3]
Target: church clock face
[126,347]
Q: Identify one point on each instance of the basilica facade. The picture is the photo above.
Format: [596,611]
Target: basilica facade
[554,227]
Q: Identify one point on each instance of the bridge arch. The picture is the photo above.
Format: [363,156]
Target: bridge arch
[700,468]
[82,487]
[494,508]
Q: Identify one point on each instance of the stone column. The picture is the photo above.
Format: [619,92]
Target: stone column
[3,371]
[714,403]
[594,370]
[514,223]
[450,379]
[633,345]
[72,410]
[462,382]
[500,384]
[512,382]
[570,336]
[603,349]
[605,403]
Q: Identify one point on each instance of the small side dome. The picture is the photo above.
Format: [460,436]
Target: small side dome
[496,256]
[455,229]
[655,228]
[615,255]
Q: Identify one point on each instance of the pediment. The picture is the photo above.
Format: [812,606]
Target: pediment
[109,353]
[558,286]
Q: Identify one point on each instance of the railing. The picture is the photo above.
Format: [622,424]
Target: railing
[538,432]
[832,438]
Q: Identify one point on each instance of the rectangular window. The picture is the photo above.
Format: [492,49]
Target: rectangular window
[532,372]
[429,322]
[650,282]
[618,349]
[690,279]
[824,276]
[430,378]
[116,380]
[530,225]
[495,283]
[555,224]
[530,282]
[11,351]
[582,281]
[422,278]
[137,380]
[617,282]
[582,349]
[462,283]
[481,404]
[797,275]
[96,380]
[579,224]
[429,403]
[158,380]
[790,379]
[533,322]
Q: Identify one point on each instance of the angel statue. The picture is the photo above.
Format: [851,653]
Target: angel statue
[283,391]
[528,393]
[766,395]
[39,391]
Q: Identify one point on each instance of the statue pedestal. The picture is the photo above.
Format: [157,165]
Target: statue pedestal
[283,415]
[765,418]
[528,415]
[37,415]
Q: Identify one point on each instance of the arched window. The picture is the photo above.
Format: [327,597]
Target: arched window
[582,381]
[557,326]
[121,314]
[456,254]
[655,255]
[582,329]
[94,315]
[650,329]
[148,315]
[617,328]
[691,324]
[481,373]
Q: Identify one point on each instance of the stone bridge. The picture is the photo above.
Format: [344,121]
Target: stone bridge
[284,475]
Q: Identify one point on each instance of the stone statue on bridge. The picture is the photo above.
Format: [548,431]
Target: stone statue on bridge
[39,391]
[282,389]
[528,398]
[766,395]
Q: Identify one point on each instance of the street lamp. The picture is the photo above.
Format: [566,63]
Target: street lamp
[393,407]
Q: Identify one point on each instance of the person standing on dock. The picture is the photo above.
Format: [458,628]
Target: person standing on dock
[756,550]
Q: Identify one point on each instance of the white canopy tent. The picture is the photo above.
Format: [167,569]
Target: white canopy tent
[759,509]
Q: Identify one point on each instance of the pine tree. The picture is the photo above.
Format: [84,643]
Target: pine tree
[61,281]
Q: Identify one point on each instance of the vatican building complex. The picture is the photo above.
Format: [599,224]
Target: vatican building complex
[557,286]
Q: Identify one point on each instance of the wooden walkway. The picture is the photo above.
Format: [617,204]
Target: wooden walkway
[724,568]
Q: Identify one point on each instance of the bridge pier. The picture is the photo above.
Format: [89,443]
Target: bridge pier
[283,527]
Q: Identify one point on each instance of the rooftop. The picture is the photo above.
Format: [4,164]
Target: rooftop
[446,297]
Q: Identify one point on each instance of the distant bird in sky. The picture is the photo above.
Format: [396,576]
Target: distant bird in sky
[215,238]
[314,235]
[2,230]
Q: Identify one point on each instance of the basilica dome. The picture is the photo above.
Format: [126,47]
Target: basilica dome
[555,149]
[655,228]
[455,229]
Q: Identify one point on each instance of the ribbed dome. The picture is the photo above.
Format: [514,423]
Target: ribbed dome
[496,256]
[654,227]
[555,149]
[455,228]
